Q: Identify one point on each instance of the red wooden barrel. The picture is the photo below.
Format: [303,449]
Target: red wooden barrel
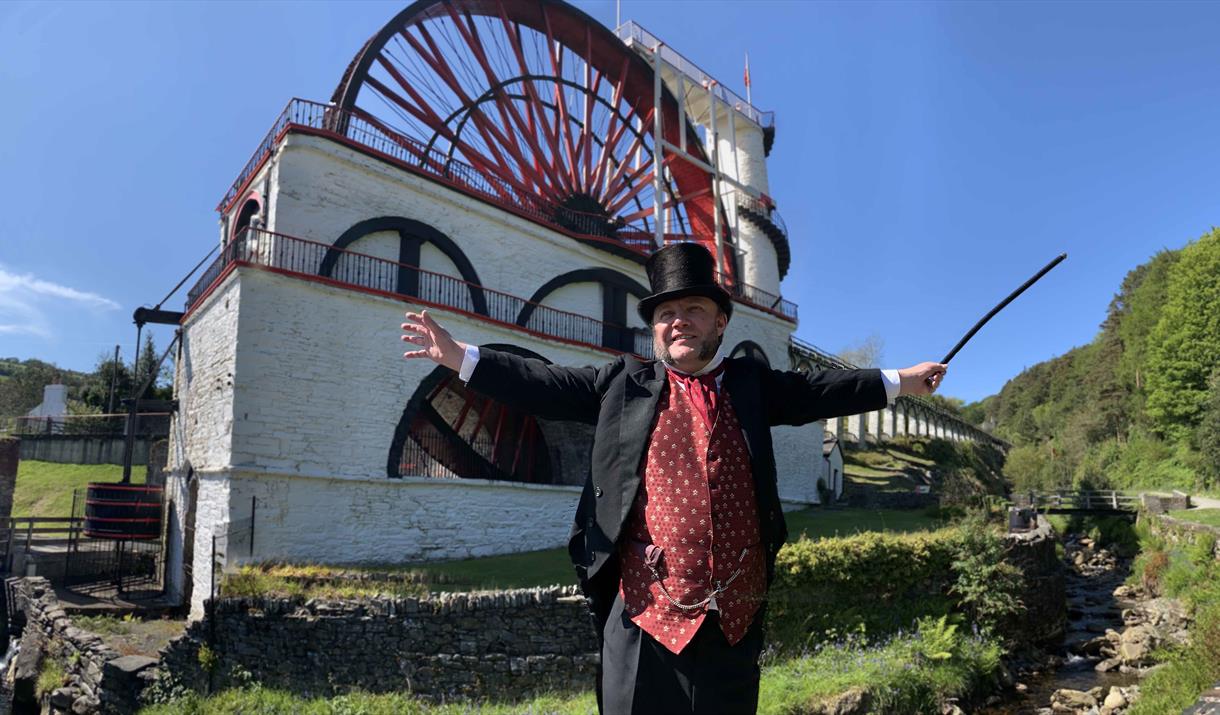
[122,511]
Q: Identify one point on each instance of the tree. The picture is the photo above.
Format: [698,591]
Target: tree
[1184,347]
[1207,434]
[149,355]
[952,405]
[1134,313]
[95,392]
[866,353]
[23,390]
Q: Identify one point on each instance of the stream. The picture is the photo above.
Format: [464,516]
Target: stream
[1092,578]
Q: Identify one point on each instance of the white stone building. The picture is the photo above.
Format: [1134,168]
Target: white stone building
[505,178]
[50,414]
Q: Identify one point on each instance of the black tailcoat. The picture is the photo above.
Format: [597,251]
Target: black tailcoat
[620,399]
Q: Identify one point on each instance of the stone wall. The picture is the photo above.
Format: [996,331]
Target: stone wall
[99,680]
[75,449]
[1044,595]
[507,644]
[1161,503]
[1180,531]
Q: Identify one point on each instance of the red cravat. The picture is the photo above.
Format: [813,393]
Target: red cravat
[703,392]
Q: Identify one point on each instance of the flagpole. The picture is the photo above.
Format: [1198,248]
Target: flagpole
[748,99]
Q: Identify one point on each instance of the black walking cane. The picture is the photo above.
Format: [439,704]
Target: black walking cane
[1045,269]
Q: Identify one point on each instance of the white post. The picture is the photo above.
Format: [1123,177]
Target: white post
[711,97]
[658,133]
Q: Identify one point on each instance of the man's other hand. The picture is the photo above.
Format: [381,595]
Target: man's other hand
[432,341]
[921,379]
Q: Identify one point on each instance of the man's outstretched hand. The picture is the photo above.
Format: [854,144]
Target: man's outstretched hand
[432,341]
[922,379]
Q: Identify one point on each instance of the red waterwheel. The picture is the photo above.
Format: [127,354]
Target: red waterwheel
[545,104]
[469,435]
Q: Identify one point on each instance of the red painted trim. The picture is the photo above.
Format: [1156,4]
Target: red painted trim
[124,519]
[127,487]
[204,296]
[254,196]
[245,185]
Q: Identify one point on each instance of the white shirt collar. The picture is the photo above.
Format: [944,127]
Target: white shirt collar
[715,363]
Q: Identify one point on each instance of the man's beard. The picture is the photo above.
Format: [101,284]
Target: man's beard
[707,349]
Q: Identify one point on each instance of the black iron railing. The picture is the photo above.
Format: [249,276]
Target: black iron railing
[368,132]
[319,261]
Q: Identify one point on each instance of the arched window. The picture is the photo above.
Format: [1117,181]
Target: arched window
[414,239]
[752,351]
[616,289]
[252,207]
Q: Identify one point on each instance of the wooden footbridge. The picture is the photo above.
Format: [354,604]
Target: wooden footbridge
[1078,502]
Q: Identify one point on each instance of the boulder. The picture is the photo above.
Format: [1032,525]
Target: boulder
[1094,646]
[61,698]
[855,701]
[1137,644]
[27,665]
[1070,701]
[1115,700]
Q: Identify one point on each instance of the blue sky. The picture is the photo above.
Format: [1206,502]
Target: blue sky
[929,156]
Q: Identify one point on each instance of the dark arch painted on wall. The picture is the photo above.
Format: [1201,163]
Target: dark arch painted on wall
[615,289]
[412,235]
[422,394]
[752,351]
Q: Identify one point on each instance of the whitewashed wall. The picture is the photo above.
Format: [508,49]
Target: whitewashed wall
[322,188]
[296,403]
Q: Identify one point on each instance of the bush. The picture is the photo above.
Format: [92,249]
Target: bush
[1149,569]
[986,588]
[816,595]
[818,584]
[50,676]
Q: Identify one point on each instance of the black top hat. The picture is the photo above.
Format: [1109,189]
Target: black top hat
[680,270]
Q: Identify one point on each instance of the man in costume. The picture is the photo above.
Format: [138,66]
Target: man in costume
[679,522]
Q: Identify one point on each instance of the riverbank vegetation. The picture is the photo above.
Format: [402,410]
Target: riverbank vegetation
[1191,573]
[1139,406]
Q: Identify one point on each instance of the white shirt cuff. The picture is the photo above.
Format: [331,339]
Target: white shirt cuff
[470,359]
[893,385]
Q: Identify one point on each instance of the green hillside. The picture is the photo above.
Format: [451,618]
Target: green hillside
[1139,406]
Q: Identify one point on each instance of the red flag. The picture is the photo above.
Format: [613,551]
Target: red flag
[747,76]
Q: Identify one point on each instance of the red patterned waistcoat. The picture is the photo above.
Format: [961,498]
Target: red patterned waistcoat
[697,504]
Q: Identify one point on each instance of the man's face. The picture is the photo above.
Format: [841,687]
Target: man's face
[686,332]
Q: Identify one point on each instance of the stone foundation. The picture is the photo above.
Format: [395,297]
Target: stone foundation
[504,644]
[97,678]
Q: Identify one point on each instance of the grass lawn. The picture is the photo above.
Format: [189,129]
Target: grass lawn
[1209,517]
[45,488]
[132,636]
[882,470]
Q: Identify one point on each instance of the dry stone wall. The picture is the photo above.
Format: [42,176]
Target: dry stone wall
[1044,595]
[503,644]
[97,678]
